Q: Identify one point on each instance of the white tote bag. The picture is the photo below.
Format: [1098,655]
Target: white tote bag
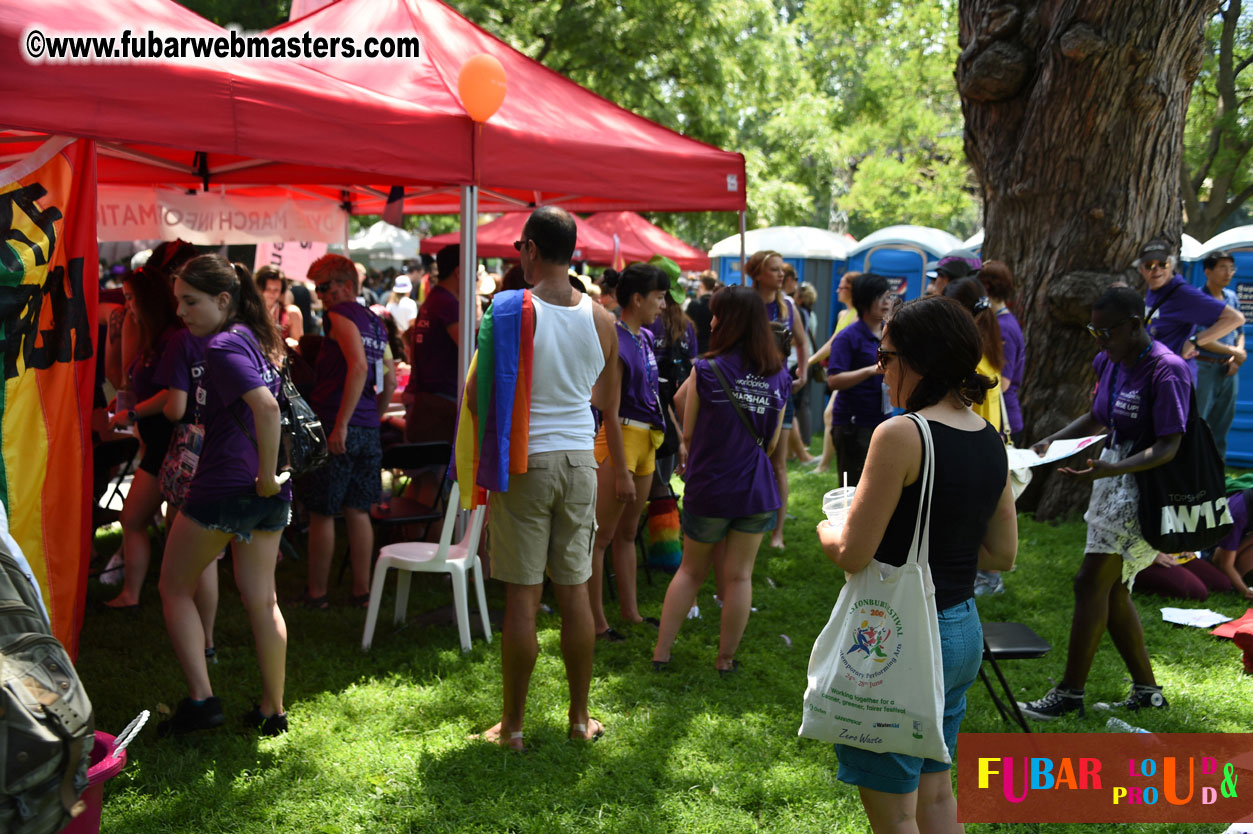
[876,679]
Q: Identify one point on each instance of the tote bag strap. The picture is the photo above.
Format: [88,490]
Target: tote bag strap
[919,550]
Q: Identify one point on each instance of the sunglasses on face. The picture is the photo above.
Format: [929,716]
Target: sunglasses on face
[325,286]
[885,355]
[518,244]
[1153,266]
[1104,333]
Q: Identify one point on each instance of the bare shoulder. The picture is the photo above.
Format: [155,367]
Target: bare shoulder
[898,432]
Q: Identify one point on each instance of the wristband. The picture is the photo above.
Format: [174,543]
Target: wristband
[131,415]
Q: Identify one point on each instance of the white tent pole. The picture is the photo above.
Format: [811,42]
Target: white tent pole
[743,253]
[469,278]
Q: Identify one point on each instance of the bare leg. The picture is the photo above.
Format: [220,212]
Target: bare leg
[1098,574]
[360,548]
[1128,635]
[189,548]
[937,807]
[828,444]
[890,813]
[142,501]
[254,574]
[779,461]
[624,556]
[321,550]
[608,512]
[206,598]
[518,650]
[578,647]
[737,604]
[681,594]
[796,446]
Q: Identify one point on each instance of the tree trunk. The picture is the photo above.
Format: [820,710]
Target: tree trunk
[1074,126]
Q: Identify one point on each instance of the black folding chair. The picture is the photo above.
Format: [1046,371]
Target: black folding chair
[1009,641]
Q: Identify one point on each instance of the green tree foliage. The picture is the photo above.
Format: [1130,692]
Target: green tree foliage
[1218,158]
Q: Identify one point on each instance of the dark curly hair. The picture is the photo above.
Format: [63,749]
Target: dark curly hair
[937,338]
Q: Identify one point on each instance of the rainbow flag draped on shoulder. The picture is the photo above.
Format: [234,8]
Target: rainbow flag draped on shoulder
[492,439]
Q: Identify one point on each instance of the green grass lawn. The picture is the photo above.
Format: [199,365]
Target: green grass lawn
[378,740]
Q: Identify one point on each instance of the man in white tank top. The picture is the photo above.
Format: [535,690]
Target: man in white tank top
[545,522]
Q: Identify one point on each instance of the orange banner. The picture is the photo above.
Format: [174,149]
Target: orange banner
[49,284]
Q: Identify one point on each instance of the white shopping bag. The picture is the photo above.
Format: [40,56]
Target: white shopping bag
[876,679]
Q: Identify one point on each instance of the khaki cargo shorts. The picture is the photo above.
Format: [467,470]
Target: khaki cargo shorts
[546,522]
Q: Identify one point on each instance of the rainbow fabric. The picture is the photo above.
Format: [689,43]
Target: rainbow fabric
[665,544]
[492,439]
[49,280]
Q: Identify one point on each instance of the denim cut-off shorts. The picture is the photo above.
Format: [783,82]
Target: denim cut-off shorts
[240,515]
[709,530]
[961,648]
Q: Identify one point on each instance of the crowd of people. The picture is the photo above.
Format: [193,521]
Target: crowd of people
[636,378]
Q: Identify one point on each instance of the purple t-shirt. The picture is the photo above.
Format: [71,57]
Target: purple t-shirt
[1015,364]
[1240,514]
[181,369]
[434,353]
[332,370]
[728,476]
[640,397]
[864,404]
[1185,307]
[234,365]
[143,369]
[658,329]
[1152,397]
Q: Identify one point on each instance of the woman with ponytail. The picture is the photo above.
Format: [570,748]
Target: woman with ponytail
[236,493]
[972,295]
[765,268]
[929,354]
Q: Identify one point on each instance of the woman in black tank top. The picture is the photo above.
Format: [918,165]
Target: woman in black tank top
[929,353]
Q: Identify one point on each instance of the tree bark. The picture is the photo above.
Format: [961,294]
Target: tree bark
[1074,126]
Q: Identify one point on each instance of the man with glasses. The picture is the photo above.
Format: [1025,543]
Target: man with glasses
[354,381]
[1218,364]
[544,524]
[1174,308]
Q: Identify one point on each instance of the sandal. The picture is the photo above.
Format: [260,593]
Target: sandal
[321,603]
[360,600]
[611,635]
[515,736]
[578,732]
[730,670]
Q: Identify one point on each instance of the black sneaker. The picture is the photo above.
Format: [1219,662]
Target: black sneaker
[1055,703]
[1140,697]
[273,725]
[191,716]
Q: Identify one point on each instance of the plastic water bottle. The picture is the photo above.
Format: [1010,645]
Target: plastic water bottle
[1117,725]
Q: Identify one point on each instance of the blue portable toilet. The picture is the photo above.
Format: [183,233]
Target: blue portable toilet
[1238,243]
[900,252]
[1191,253]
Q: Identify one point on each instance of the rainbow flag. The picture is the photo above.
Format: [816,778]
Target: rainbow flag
[493,445]
[49,284]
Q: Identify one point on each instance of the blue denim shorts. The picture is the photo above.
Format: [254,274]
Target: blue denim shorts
[240,515]
[789,411]
[708,530]
[961,647]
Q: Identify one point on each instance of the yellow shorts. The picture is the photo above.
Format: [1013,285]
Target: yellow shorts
[640,445]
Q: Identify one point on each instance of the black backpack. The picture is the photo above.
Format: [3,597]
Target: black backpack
[46,723]
[304,439]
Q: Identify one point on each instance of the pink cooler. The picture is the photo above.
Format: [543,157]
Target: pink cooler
[103,767]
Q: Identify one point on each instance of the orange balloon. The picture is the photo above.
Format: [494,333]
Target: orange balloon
[481,84]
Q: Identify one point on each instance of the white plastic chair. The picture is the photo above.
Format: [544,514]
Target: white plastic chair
[456,560]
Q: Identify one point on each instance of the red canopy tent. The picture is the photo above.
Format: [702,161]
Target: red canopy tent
[636,233]
[495,240]
[551,142]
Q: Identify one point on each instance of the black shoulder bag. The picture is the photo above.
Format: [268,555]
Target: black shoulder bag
[1183,503]
[726,388]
